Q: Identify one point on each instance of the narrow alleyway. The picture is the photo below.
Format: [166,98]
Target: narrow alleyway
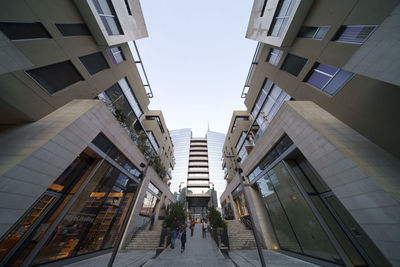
[198,252]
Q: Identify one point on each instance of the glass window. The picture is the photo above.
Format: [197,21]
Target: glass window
[310,236]
[274,56]
[55,77]
[73,29]
[94,63]
[23,30]
[94,220]
[293,64]
[327,78]
[108,16]
[153,140]
[25,224]
[356,34]
[281,17]
[317,33]
[115,54]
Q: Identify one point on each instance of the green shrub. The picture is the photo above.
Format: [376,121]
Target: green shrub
[215,218]
[175,211]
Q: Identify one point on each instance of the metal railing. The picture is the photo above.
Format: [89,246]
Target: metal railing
[254,62]
[142,71]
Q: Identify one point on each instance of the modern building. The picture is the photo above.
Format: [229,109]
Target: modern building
[316,153]
[77,136]
[181,141]
[197,175]
[215,144]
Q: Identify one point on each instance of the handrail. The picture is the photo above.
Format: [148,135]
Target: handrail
[254,62]
[146,83]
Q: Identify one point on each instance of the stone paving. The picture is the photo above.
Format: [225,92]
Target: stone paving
[272,258]
[199,252]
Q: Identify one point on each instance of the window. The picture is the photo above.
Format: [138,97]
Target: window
[115,54]
[316,33]
[21,31]
[94,63]
[128,8]
[327,78]
[274,56]
[293,64]
[353,34]
[153,140]
[281,17]
[156,118]
[73,29]
[108,16]
[263,8]
[55,77]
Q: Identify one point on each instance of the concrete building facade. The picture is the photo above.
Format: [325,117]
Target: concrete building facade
[76,131]
[316,151]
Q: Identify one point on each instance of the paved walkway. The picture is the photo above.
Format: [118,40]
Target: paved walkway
[128,258]
[199,252]
[272,258]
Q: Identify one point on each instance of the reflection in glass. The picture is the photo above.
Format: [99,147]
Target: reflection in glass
[94,220]
[292,218]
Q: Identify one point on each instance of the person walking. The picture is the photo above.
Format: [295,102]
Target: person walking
[183,237]
[192,224]
[174,227]
[204,228]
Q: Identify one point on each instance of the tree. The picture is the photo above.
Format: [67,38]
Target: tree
[175,211]
[215,218]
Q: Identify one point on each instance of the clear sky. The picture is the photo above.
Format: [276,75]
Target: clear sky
[197,59]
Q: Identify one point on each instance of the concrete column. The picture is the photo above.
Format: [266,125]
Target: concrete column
[158,207]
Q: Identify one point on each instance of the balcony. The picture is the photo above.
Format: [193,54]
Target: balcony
[277,22]
[113,22]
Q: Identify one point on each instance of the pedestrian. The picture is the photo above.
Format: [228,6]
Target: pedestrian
[204,228]
[183,237]
[152,219]
[192,224]
[174,227]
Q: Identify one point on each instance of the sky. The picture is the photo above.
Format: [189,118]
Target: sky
[197,59]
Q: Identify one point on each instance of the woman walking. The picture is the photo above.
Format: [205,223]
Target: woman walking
[204,228]
[183,237]
[192,224]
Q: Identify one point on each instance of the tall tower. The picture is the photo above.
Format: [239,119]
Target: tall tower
[198,194]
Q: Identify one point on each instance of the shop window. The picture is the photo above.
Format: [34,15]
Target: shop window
[94,63]
[73,29]
[23,30]
[55,77]
[94,220]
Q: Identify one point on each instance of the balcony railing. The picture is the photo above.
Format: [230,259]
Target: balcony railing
[140,67]
[253,65]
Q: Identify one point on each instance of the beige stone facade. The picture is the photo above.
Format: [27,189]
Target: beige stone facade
[349,138]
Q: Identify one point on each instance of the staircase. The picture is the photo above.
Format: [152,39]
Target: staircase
[239,236]
[146,239]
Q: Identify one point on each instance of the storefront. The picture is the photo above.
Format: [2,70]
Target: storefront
[307,218]
[80,213]
[239,199]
